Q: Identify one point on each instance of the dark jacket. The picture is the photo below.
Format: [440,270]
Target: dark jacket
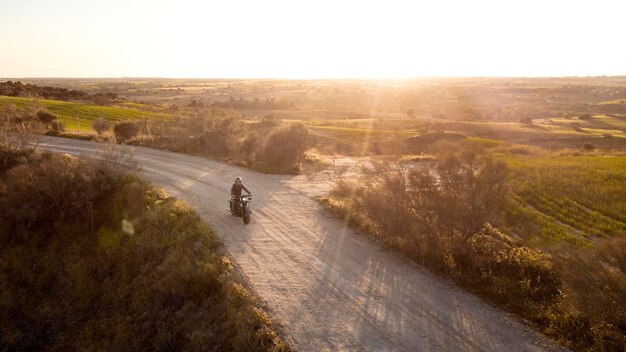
[235,190]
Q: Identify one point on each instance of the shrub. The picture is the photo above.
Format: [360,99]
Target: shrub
[101,126]
[17,133]
[588,147]
[58,126]
[93,259]
[464,191]
[284,148]
[585,117]
[218,143]
[45,117]
[125,130]
[598,276]
[250,145]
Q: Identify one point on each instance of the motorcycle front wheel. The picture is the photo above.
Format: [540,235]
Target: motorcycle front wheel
[246,215]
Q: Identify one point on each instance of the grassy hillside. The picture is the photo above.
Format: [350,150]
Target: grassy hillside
[71,113]
[96,259]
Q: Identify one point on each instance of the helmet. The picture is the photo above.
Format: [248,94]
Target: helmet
[238,179]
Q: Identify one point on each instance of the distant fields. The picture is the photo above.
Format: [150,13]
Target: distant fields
[71,113]
[571,198]
[555,196]
[600,130]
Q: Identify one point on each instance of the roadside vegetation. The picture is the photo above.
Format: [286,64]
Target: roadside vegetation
[263,144]
[94,258]
[466,217]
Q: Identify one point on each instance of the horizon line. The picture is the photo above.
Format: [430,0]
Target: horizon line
[310,78]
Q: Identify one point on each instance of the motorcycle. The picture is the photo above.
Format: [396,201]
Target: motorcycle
[241,207]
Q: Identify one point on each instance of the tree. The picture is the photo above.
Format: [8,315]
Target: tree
[101,125]
[45,117]
[411,113]
[125,130]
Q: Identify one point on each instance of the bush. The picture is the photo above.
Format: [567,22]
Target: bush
[101,126]
[125,130]
[45,117]
[94,259]
[588,147]
[18,128]
[465,190]
[58,126]
[284,149]
[598,276]
[585,117]
[249,145]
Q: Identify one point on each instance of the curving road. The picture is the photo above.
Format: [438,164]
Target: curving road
[331,288]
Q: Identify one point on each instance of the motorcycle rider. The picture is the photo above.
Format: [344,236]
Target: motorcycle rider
[235,193]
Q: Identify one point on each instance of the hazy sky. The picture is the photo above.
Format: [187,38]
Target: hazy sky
[311,39]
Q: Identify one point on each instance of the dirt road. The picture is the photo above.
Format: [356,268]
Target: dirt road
[331,288]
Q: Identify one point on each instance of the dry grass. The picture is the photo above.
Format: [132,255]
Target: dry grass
[93,258]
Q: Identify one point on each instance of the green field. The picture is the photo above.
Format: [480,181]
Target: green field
[77,116]
[572,198]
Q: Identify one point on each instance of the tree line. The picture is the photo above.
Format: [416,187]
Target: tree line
[19,89]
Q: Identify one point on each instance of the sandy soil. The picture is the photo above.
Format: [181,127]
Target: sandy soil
[331,288]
